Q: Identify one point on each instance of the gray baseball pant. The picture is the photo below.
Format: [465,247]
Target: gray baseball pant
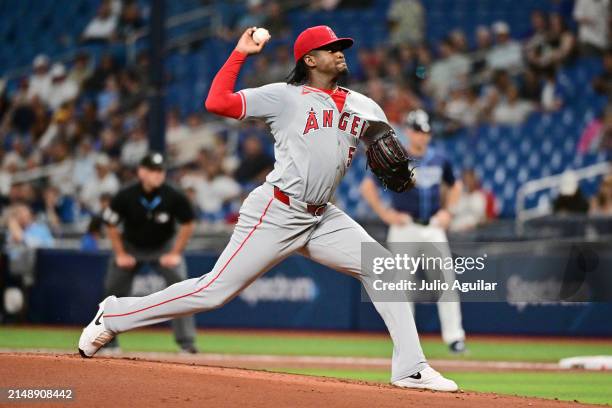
[267,232]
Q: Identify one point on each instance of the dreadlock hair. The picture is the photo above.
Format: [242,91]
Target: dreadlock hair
[299,75]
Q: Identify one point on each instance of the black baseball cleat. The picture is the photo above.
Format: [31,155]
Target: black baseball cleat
[457,347]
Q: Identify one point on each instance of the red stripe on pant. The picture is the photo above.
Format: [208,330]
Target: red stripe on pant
[209,283]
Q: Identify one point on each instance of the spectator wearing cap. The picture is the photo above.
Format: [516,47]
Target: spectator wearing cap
[507,53]
[149,211]
[40,81]
[104,181]
[62,89]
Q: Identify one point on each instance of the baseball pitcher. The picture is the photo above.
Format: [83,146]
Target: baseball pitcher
[316,127]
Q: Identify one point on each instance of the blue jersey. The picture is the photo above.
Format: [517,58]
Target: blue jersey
[424,200]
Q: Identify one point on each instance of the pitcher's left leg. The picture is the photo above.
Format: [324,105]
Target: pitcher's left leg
[336,242]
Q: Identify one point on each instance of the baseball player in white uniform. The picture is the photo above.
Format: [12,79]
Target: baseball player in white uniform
[316,127]
[420,216]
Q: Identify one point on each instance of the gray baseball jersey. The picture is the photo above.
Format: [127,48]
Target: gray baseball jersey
[314,144]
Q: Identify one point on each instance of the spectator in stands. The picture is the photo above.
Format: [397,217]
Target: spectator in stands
[108,100]
[531,89]
[536,39]
[462,108]
[400,100]
[406,20]
[552,97]
[484,43]
[102,27]
[62,177]
[135,148]
[602,83]
[40,80]
[511,110]
[62,127]
[56,209]
[276,22]
[592,17]
[570,199]
[230,161]
[261,74]
[254,17]
[104,181]
[176,132]
[24,236]
[81,70]
[88,123]
[130,21]
[560,41]
[557,48]
[105,68]
[110,143]
[255,164]
[458,40]
[84,162]
[185,142]
[23,229]
[95,233]
[132,93]
[470,210]
[213,188]
[601,204]
[507,53]
[451,69]
[283,64]
[62,88]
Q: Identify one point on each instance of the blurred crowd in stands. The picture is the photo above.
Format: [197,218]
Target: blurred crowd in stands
[86,124]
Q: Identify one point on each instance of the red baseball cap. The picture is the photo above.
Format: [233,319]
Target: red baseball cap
[317,37]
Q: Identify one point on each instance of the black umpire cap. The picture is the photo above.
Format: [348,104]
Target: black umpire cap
[418,120]
[153,161]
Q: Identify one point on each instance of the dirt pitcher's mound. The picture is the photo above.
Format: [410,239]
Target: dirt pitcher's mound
[101,382]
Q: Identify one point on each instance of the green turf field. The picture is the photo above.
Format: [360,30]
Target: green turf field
[308,345]
[585,387]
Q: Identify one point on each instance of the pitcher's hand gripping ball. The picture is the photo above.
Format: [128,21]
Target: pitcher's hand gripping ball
[387,158]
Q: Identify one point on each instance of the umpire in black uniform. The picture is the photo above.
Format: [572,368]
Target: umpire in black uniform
[149,211]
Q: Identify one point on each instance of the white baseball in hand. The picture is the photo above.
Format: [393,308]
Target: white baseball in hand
[260,35]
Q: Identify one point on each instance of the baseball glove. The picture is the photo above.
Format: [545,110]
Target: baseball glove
[387,158]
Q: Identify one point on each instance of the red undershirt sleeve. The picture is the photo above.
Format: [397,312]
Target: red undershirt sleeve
[222,100]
